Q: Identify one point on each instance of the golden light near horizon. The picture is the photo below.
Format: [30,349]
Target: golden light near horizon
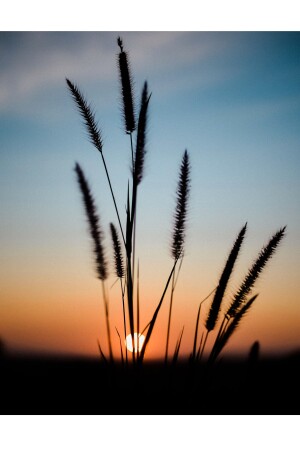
[138,342]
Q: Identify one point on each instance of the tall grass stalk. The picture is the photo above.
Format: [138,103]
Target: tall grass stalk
[180,217]
[97,238]
[119,270]
[138,163]
[169,317]
[94,136]
[153,320]
[138,310]
[220,291]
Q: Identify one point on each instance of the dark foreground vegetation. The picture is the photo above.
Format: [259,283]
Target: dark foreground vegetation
[56,385]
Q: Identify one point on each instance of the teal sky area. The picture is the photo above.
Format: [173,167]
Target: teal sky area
[231,98]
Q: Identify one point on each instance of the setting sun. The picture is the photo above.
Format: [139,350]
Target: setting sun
[138,342]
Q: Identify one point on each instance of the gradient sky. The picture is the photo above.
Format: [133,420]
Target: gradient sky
[231,99]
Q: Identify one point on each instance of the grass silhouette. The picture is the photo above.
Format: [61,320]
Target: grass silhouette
[126,268]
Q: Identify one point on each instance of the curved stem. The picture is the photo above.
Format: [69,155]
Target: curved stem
[170,313]
[205,339]
[113,196]
[124,320]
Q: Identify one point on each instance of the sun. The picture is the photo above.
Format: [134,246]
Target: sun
[138,342]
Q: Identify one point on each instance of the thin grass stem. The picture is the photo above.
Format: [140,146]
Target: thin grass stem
[204,343]
[124,319]
[121,350]
[169,318]
[177,348]
[200,346]
[101,352]
[197,324]
[138,310]
[106,306]
[153,320]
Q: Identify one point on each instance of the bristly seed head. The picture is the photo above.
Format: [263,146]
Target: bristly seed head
[119,264]
[180,216]
[213,313]
[265,254]
[94,223]
[87,115]
[126,89]
[140,151]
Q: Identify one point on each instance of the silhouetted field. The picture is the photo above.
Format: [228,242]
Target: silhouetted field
[56,385]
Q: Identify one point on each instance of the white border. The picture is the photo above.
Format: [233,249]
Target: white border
[133,15]
[93,432]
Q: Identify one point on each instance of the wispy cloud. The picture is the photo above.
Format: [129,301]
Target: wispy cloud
[33,63]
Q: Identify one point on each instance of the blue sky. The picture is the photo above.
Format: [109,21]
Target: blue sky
[231,99]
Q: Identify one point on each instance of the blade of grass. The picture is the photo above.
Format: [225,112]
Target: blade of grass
[177,348]
[101,352]
[106,306]
[121,350]
[169,318]
[231,327]
[153,320]
[138,309]
[193,355]
[200,346]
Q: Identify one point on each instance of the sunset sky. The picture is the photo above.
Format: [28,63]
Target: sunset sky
[232,99]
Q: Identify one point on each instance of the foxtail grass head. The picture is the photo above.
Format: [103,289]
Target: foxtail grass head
[94,223]
[265,254]
[180,216]
[88,116]
[126,89]
[140,152]
[221,288]
[118,257]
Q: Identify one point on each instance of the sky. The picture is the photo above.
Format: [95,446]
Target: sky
[231,99]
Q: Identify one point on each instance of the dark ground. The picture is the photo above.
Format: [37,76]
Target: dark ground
[48,385]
